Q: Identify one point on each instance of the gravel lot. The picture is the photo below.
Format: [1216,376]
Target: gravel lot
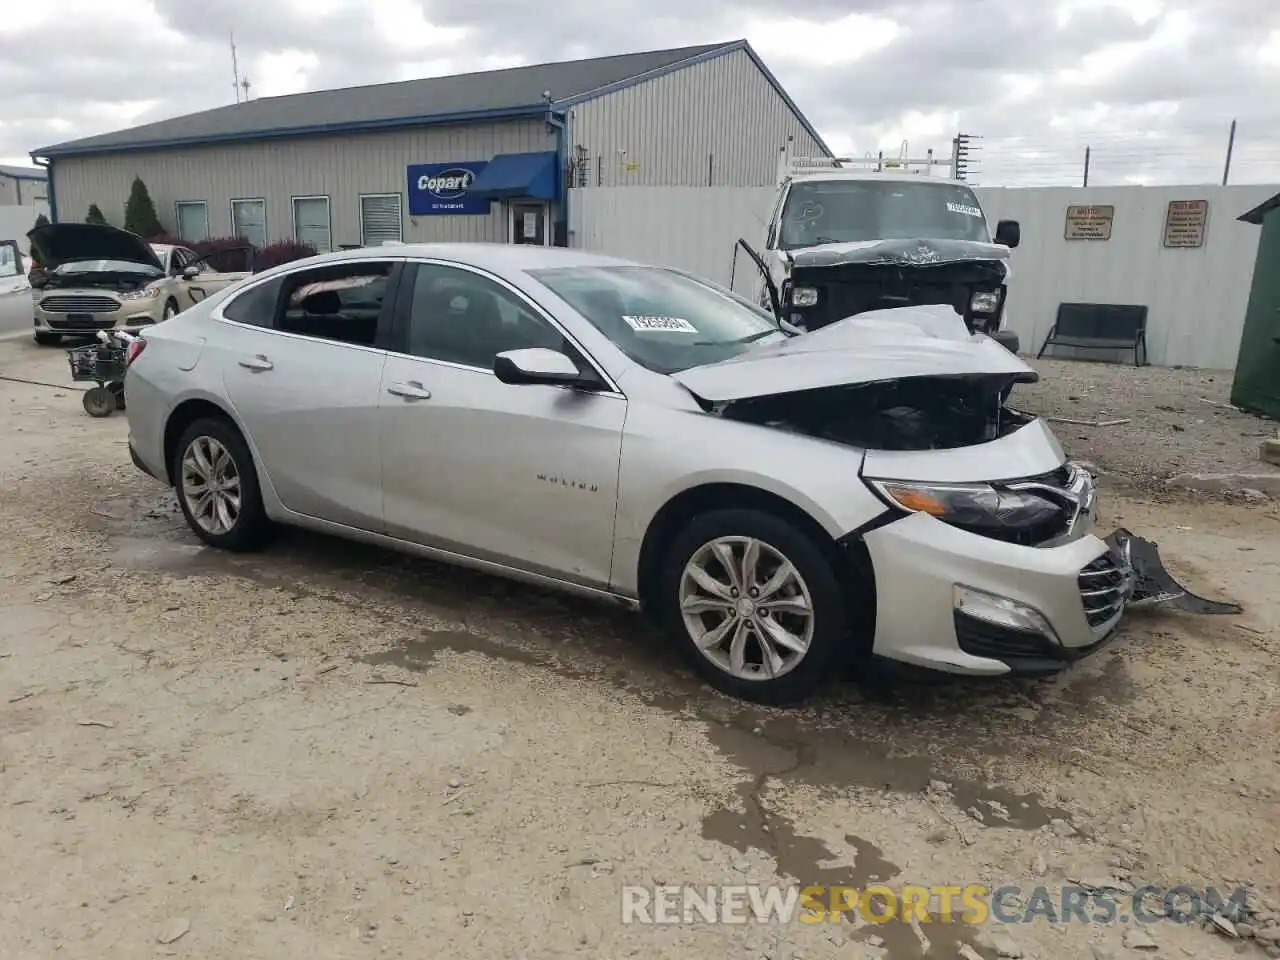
[329,751]
[1179,420]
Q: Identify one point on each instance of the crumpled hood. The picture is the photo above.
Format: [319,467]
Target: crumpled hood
[57,243]
[874,346]
[921,252]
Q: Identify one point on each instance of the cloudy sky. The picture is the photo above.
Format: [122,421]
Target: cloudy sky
[1150,85]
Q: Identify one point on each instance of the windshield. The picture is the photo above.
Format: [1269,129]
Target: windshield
[107,266]
[662,319]
[848,211]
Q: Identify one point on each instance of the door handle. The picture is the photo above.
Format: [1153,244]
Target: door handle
[257,363]
[409,389]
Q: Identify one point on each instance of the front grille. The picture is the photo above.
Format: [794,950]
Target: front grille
[71,303]
[1105,587]
[85,322]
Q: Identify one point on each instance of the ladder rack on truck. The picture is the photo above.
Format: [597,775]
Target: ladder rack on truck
[789,167]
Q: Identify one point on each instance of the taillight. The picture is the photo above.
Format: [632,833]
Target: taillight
[134,351]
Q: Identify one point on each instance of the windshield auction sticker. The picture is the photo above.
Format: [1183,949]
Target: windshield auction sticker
[663,324]
[963,208]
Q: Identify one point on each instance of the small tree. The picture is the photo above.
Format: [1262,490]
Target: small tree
[94,215]
[41,221]
[140,212]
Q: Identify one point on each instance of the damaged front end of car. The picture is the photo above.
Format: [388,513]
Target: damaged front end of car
[985,558]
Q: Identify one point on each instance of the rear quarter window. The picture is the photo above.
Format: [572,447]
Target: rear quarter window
[255,306]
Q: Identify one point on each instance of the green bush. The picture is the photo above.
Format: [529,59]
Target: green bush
[94,215]
[140,212]
[41,221]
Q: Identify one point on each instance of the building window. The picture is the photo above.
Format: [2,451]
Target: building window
[311,223]
[380,218]
[193,220]
[249,220]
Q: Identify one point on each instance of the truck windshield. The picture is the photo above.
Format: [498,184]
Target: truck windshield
[848,211]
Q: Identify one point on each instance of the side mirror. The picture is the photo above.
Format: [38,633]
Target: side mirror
[1008,233]
[536,365]
[190,273]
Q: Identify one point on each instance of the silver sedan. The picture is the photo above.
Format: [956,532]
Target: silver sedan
[780,502]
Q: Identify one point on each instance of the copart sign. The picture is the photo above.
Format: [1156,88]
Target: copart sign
[443,188]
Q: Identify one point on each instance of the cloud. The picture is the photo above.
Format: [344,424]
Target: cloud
[1149,85]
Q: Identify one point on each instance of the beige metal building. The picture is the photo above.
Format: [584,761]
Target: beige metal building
[484,156]
[21,186]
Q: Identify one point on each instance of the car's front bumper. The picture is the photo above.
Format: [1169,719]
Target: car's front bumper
[943,597]
[98,313]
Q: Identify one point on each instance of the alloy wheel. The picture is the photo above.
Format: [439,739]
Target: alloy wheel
[746,608]
[211,485]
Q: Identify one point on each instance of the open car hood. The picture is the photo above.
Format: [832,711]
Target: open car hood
[900,253]
[57,243]
[871,347]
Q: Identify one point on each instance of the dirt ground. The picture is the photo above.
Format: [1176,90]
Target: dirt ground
[1179,421]
[329,751]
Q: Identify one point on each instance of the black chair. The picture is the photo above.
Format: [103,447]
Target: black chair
[1100,326]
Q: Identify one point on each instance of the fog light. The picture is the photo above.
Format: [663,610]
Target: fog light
[1002,612]
[804,296]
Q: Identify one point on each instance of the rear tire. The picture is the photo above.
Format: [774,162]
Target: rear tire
[46,339]
[782,654]
[217,486]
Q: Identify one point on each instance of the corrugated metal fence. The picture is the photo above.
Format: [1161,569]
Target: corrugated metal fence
[1196,297]
[16,220]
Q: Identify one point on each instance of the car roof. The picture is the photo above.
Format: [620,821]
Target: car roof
[494,256]
[163,248]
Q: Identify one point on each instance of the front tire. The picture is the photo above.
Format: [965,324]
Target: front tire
[170,310]
[217,487]
[755,604]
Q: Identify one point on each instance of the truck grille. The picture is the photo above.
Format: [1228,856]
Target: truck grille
[1105,587]
[71,303]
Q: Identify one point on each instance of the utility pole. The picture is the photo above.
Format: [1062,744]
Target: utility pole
[1086,167]
[962,147]
[235,69]
[1231,143]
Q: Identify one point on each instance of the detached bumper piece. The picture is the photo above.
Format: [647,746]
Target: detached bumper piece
[1154,585]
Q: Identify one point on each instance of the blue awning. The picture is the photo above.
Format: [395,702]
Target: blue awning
[511,176]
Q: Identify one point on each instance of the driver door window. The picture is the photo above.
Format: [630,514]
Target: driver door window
[461,317]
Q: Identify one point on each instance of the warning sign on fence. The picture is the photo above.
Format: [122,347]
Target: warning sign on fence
[1184,223]
[1089,222]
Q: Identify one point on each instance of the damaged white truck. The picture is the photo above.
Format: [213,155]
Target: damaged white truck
[843,241]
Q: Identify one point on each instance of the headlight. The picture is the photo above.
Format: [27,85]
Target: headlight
[976,507]
[146,293]
[985,303]
[804,296]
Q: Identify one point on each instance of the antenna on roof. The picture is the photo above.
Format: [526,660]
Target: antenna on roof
[246,84]
[235,68]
